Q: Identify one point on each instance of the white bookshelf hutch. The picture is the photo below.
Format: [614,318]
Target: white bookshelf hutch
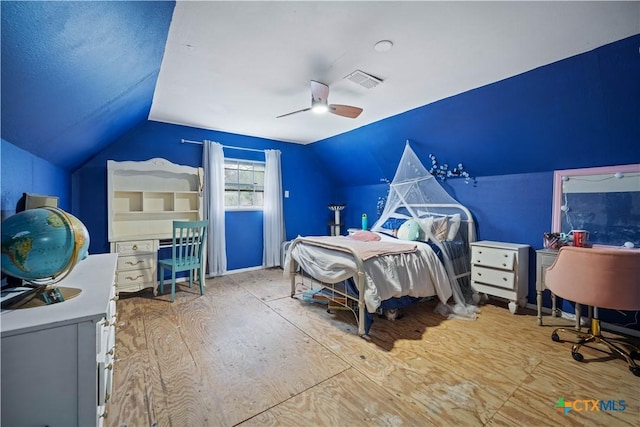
[144,198]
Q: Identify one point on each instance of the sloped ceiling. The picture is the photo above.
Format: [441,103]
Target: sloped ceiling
[235,66]
[78,75]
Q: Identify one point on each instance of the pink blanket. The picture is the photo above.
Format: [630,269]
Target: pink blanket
[364,250]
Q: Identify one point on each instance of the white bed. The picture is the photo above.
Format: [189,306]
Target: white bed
[416,272]
[420,210]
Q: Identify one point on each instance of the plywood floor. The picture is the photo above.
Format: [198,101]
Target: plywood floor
[247,354]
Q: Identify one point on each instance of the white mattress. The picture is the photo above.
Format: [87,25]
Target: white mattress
[417,274]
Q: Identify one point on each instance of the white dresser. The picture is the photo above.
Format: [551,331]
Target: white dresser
[57,360]
[502,270]
[144,198]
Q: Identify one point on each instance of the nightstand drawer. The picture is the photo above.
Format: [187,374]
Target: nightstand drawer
[499,278]
[135,262]
[134,247]
[492,257]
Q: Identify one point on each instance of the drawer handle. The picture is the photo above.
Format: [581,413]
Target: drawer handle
[135,278]
[134,263]
[112,351]
[504,264]
[505,279]
[109,366]
[107,396]
[134,247]
[479,274]
[506,256]
[104,414]
[116,298]
[479,252]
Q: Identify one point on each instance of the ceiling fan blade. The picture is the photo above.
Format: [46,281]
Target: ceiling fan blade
[319,92]
[345,110]
[293,112]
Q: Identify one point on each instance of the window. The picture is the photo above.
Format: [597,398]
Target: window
[243,184]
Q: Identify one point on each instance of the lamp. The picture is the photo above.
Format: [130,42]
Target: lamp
[318,106]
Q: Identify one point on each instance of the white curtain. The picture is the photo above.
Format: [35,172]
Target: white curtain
[213,163]
[273,230]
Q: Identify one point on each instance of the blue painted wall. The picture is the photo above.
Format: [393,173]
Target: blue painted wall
[311,189]
[580,112]
[22,172]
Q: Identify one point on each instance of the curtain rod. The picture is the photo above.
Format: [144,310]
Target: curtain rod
[186,141]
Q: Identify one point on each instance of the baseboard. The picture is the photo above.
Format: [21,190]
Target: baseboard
[239,270]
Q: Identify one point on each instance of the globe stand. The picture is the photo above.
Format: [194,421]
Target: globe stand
[34,298]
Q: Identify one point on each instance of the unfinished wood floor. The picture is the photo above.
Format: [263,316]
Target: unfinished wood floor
[247,354]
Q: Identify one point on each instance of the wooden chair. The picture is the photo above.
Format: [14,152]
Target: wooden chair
[598,277]
[187,253]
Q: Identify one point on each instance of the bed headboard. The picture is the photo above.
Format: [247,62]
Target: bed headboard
[422,210]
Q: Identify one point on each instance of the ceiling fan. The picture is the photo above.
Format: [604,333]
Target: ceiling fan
[319,95]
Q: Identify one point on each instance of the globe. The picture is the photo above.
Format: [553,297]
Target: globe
[42,245]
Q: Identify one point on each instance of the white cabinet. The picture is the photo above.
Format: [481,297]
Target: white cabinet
[502,270]
[57,360]
[137,264]
[144,198]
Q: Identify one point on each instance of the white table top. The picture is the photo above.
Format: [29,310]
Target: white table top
[94,275]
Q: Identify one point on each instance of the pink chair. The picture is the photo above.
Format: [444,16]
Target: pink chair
[598,277]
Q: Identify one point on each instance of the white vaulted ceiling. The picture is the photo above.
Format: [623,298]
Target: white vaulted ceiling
[235,66]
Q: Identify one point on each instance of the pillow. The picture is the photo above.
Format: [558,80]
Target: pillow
[393,223]
[364,236]
[454,226]
[440,227]
[410,230]
[426,224]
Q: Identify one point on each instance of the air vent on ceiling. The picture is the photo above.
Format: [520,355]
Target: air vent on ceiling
[363,79]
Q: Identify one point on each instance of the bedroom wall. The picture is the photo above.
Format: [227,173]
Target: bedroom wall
[23,172]
[310,187]
[580,112]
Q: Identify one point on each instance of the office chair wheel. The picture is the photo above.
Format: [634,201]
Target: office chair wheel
[555,337]
[635,370]
[577,356]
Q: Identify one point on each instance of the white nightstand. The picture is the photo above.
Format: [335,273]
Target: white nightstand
[502,270]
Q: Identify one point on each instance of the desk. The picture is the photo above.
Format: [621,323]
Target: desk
[544,259]
[144,198]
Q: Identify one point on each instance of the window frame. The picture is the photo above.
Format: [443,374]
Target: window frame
[238,161]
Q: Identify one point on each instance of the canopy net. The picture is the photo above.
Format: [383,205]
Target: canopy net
[418,203]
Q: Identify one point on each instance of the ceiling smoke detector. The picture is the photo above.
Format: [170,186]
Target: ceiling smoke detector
[363,79]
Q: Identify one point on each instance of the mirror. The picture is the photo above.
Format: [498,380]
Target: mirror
[604,201]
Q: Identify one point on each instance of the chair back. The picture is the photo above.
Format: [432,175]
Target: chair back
[189,238]
[599,277]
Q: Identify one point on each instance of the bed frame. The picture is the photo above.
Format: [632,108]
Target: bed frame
[359,277]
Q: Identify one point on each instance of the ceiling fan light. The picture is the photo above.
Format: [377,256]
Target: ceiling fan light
[320,108]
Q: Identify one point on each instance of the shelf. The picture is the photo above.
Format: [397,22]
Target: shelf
[146,197]
[153,214]
[127,201]
[157,202]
